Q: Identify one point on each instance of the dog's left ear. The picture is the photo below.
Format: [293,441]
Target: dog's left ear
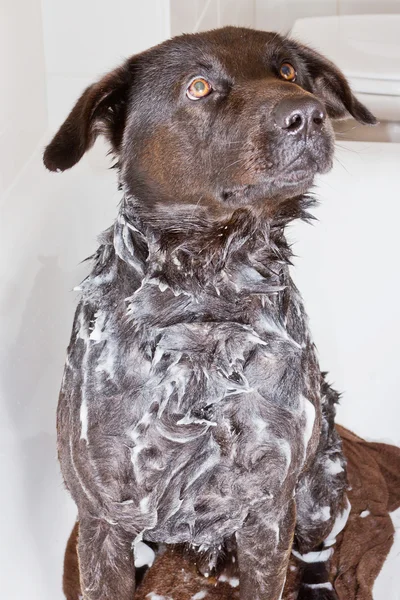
[331,86]
[100,109]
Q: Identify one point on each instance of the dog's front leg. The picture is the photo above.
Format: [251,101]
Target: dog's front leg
[322,507]
[264,546]
[106,561]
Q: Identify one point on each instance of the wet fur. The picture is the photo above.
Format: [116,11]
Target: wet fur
[192,408]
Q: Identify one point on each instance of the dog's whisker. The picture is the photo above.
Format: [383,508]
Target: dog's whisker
[344,131]
[341,164]
[347,149]
[226,167]
[196,205]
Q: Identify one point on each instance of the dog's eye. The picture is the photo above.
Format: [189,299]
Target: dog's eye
[198,88]
[288,72]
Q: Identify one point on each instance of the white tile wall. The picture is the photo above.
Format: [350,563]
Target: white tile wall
[280,15]
[185,15]
[237,12]
[209,18]
[49,224]
[23,94]
[83,40]
[200,15]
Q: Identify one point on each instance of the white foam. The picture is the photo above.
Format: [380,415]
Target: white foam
[314,557]
[144,555]
[259,424]
[233,581]
[97,332]
[176,261]
[82,332]
[338,525]
[333,467]
[324,514]
[188,419]
[84,420]
[108,359]
[309,412]
[270,325]
[286,451]
[319,586]
[200,595]
[144,504]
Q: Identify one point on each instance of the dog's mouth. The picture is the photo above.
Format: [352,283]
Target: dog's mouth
[294,177]
[273,167]
[314,157]
[304,167]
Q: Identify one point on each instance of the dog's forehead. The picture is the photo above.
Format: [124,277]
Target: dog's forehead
[234,50]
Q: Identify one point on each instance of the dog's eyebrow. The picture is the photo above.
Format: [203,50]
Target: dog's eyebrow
[204,65]
[214,69]
[277,49]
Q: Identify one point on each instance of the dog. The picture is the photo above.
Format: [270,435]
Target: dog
[192,408]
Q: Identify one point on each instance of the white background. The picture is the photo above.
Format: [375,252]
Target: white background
[347,267]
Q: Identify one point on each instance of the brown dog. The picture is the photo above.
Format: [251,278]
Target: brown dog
[192,407]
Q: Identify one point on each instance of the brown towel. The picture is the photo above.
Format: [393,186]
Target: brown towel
[361,550]
[374,477]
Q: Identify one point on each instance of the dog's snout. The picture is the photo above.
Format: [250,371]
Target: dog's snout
[294,115]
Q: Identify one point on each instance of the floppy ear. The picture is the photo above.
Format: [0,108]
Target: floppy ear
[100,109]
[331,86]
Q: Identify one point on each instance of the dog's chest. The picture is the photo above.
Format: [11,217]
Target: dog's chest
[205,402]
[217,419]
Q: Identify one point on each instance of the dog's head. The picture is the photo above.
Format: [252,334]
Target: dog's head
[221,119]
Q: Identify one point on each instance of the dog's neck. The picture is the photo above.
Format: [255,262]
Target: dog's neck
[245,250]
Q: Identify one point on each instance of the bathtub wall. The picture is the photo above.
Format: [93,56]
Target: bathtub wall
[346,269]
[280,15]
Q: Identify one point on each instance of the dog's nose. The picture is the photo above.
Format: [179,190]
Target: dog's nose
[295,115]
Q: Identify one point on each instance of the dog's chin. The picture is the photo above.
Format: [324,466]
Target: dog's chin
[294,183]
[300,177]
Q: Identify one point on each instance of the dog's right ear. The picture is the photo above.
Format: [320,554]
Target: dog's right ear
[331,86]
[100,109]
